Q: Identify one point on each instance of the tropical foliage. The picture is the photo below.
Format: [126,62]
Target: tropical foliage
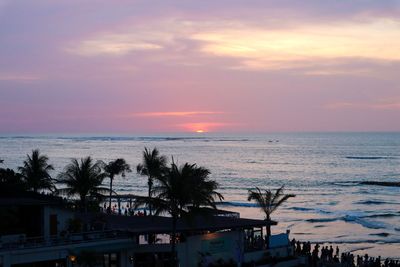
[178,189]
[83,178]
[268,202]
[11,181]
[202,190]
[35,172]
[115,168]
[153,165]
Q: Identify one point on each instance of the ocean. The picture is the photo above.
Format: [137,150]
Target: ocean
[324,170]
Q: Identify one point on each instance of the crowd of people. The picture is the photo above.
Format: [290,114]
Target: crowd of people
[127,210]
[330,256]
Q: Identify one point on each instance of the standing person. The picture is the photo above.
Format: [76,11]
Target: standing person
[330,253]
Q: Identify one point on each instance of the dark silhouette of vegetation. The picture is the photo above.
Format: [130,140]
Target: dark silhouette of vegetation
[152,166]
[202,189]
[115,168]
[11,181]
[268,202]
[35,171]
[83,178]
[178,189]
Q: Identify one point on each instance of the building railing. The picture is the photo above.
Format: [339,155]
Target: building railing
[67,239]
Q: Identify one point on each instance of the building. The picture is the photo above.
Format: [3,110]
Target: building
[41,230]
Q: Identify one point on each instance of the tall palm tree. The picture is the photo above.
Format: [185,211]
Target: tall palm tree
[179,188]
[169,197]
[35,172]
[83,178]
[153,164]
[114,168]
[202,189]
[268,203]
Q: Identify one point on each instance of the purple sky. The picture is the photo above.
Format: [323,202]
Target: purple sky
[70,66]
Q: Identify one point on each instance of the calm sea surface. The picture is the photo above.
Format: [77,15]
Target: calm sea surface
[323,170]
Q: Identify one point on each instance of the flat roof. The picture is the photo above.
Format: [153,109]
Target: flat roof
[29,199]
[162,224]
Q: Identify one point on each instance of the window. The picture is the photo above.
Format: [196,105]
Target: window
[111,260]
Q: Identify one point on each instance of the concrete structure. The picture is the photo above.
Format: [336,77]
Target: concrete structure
[47,232]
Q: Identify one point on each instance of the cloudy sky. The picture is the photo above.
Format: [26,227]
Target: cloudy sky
[101,66]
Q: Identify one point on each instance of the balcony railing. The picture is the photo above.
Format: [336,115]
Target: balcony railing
[85,237]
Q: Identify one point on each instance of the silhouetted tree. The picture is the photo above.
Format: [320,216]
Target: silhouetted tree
[179,188]
[153,164]
[35,171]
[202,189]
[114,168]
[11,181]
[83,178]
[268,203]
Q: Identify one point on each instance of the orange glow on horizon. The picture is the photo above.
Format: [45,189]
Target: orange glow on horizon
[176,113]
[203,127]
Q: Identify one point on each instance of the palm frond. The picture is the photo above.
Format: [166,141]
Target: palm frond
[268,201]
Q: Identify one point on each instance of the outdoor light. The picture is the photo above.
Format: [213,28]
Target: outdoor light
[72,258]
[131,259]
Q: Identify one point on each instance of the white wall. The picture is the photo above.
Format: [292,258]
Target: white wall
[224,245]
[63,216]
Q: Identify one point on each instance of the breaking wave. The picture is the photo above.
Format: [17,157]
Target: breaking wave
[238,204]
[382,215]
[374,202]
[319,220]
[350,217]
[368,157]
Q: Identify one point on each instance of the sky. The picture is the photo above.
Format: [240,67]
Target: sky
[100,66]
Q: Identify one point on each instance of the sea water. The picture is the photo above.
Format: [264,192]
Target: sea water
[323,170]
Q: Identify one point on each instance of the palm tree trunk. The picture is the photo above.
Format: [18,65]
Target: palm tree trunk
[150,185]
[109,204]
[268,230]
[173,238]
[83,203]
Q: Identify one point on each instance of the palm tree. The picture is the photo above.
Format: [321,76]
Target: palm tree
[179,188]
[268,203]
[114,168]
[152,166]
[169,197]
[83,178]
[202,189]
[36,172]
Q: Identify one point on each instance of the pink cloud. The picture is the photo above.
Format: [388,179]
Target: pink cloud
[76,66]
